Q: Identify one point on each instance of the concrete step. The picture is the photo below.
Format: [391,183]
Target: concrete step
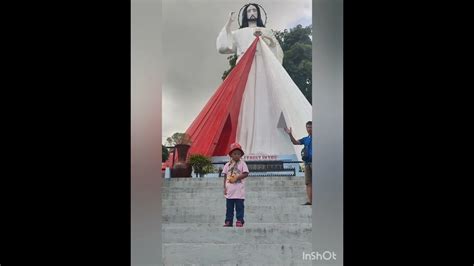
[218,216]
[220,189]
[219,201]
[267,178]
[277,229]
[251,233]
[199,183]
[203,196]
[235,254]
[249,209]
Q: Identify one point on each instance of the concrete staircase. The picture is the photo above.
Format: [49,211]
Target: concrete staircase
[277,228]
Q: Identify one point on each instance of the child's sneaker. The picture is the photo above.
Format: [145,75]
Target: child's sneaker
[239,224]
[228,224]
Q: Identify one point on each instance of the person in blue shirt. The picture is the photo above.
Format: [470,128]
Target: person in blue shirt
[307,142]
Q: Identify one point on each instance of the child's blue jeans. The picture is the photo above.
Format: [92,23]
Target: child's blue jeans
[238,204]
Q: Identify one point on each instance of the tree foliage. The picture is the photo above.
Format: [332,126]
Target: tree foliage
[201,164]
[232,60]
[164,153]
[297,47]
[178,138]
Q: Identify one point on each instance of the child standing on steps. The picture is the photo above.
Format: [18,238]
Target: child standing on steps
[235,171]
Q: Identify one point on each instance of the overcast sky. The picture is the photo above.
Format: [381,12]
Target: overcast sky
[192,65]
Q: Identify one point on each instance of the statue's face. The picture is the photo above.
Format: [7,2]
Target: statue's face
[252,13]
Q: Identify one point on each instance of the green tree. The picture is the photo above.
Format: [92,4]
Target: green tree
[164,153]
[178,138]
[201,164]
[297,61]
[232,59]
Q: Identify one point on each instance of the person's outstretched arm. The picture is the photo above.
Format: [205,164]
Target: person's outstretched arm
[293,140]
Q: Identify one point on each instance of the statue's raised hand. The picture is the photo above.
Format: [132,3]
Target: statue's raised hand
[231,17]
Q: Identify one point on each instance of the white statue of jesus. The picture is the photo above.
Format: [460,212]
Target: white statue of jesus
[271,100]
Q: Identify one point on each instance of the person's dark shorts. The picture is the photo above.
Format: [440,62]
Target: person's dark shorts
[308,173]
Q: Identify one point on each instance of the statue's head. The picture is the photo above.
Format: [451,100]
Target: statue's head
[251,13]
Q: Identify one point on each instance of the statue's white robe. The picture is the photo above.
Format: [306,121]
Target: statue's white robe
[271,100]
